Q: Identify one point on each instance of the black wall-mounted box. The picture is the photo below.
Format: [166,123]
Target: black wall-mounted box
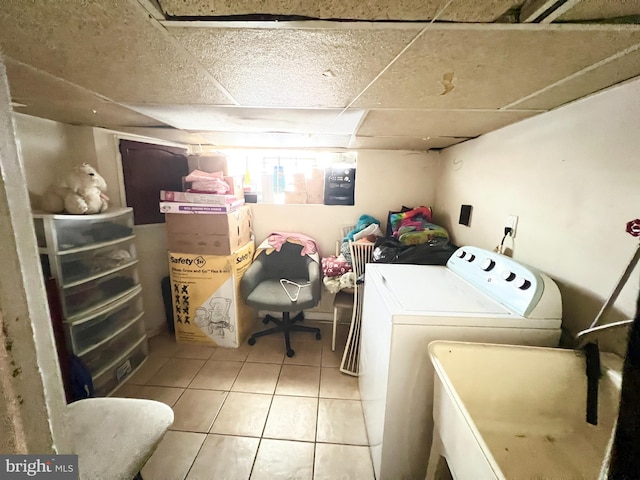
[339,185]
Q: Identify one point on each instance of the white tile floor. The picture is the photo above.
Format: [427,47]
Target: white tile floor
[253,413]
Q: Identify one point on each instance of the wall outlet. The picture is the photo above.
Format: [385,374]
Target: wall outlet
[512,223]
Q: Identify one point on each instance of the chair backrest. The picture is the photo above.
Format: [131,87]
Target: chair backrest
[361,254]
[287,263]
[344,229]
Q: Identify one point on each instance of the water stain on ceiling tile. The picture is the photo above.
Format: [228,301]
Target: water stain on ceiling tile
[493,66]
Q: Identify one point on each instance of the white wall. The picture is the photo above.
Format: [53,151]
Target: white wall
[573,177]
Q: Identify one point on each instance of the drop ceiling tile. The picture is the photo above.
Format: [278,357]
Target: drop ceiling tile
[293,120]
[434,123]
[477,11]
[46,96]
[295,67]
[600,9]
[274,140]
[491,66]
[108,46]
[403,143]
[616,71]
[221,8]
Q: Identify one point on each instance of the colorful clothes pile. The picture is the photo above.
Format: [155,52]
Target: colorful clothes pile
[414,227]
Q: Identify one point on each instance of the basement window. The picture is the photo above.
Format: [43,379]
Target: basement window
[295,177]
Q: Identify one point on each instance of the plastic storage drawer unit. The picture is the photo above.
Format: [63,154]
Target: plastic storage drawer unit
[94,263]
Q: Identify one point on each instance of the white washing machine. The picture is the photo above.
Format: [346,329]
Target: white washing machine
[479,296]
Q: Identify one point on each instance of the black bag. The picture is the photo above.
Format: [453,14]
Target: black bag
[433,252]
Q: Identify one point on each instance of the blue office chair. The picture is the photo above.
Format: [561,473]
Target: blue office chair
[283,281]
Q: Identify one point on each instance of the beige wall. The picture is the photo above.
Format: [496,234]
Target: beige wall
[384,181]
[49,148]
[573,177]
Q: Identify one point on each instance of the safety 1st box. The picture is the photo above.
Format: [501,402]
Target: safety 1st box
[208,308]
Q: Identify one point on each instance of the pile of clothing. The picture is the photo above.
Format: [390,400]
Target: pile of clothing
[413,226]
[337,270]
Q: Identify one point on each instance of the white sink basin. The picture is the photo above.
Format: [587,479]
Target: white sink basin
[515,412]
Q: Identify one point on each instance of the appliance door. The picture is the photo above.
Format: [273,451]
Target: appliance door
[427,289]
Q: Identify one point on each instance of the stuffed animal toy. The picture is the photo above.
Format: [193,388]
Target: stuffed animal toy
[80,192]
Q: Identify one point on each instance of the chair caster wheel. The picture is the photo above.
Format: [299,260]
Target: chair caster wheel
[318,336]
[290,353]
[252,341]
[265,320]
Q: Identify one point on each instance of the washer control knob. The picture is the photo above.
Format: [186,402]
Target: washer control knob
[508,275]
[487,264]
[460,253]
[470,258]
[523,283]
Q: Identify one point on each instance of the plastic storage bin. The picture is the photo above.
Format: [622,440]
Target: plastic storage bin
[108,379]
[105,352]
[65,232]
[96,293]
[103,323]
[94,263]
[83,265]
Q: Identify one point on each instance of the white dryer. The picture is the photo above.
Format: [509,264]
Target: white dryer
[479,296]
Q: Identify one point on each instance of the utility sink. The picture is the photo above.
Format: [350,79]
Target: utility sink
[516,412]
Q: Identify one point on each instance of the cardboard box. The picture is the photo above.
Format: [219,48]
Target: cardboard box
[209,234]
[188,197]
[206,209]
[208,308]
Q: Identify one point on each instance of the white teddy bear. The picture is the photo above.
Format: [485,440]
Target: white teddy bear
[81,192]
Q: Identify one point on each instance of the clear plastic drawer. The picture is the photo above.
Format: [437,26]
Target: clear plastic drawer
[105,322]
[80,266]
[80,299]
[108,380]
[104,353]
[79,231]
